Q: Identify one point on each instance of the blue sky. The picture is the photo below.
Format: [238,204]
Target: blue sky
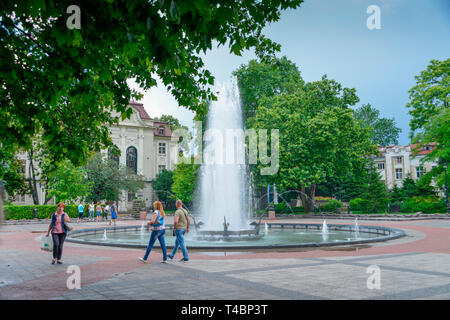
[331,37]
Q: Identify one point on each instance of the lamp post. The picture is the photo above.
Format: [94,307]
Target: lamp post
[446,187]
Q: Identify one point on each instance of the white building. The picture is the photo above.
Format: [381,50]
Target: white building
[395,163]
[146,146]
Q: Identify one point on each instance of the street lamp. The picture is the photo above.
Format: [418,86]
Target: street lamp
[446,187]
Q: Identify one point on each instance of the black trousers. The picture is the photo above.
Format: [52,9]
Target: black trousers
[58,241]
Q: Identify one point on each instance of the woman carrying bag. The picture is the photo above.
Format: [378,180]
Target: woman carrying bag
[59,232]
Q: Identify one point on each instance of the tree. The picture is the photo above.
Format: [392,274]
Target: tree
[319,136]
[384,131]
[375,192]
[430,122]
[184,181]
[162,183]
[266,78]
[68,183]
[109,179]
[70,81]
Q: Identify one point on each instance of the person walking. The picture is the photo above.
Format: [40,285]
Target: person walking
[91,211]
[98,211]
[158,231]
[181,225]
[58,229]
[80,212]
[113,209]
[105,212]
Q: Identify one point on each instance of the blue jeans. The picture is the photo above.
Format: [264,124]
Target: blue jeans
[157,234]
[179,242]
[91,214]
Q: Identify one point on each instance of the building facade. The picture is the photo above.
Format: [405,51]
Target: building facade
[396,163]
[146,146]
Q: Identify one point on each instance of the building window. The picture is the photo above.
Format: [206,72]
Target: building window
[130,196]
[426,148]
[398,160]
[161,168]
[161,131]
[381,166]
[132,159]
[398,174]
[162,148]
[420,171]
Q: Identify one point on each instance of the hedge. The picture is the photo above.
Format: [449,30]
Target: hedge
[283,208]
[425,204]
[331,206]
[13,212]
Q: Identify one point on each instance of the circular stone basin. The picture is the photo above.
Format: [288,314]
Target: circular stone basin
[275,235]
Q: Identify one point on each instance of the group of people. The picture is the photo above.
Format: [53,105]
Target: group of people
[99,211]
[181,225]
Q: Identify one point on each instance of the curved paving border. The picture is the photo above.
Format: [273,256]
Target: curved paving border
[387,232]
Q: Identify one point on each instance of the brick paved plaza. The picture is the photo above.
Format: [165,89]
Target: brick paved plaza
[416,266]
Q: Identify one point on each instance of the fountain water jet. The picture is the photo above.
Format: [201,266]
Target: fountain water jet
[224,185]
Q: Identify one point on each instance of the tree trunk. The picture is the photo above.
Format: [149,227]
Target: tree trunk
[32,178]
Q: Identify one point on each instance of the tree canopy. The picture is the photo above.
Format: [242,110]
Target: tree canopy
[66,79]
[384,130]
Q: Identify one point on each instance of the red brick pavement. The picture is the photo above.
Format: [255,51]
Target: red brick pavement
[114,261]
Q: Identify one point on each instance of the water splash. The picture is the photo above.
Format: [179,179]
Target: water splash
[266,229]
[224,187]
[356,228]
[104,235]
[324,227]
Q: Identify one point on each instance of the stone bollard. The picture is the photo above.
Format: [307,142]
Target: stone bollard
[143,215]
[271,213]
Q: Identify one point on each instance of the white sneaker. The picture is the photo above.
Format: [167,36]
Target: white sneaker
[142,259]
[163,261]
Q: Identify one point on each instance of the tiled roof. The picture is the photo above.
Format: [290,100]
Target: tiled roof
[140,108]
[167,131]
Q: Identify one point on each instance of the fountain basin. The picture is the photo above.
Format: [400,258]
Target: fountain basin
[278,235]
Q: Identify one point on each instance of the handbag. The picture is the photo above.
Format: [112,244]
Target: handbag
[68,226]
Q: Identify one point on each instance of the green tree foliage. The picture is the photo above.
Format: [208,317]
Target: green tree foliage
[109,179]
[15,179]
[319,136]
[384,131]
[162,184]
[258,79]
[68,81]
[429,108]
[184,181]
[68,183]
[375,192]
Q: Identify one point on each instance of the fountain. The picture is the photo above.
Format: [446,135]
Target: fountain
[224,186]
[226,201]
[324,227]
[356,228]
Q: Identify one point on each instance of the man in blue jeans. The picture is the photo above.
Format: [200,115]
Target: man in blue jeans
[180,226]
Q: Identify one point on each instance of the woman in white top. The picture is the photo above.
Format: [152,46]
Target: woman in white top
[158,231]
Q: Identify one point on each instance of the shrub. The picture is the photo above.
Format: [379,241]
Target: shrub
[283,208]
[13,212]
[331,206]
[425,204]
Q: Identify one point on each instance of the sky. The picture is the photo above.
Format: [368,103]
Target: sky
[331,37]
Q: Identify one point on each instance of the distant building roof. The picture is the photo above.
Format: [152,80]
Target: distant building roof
[166,132]
[140,108]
